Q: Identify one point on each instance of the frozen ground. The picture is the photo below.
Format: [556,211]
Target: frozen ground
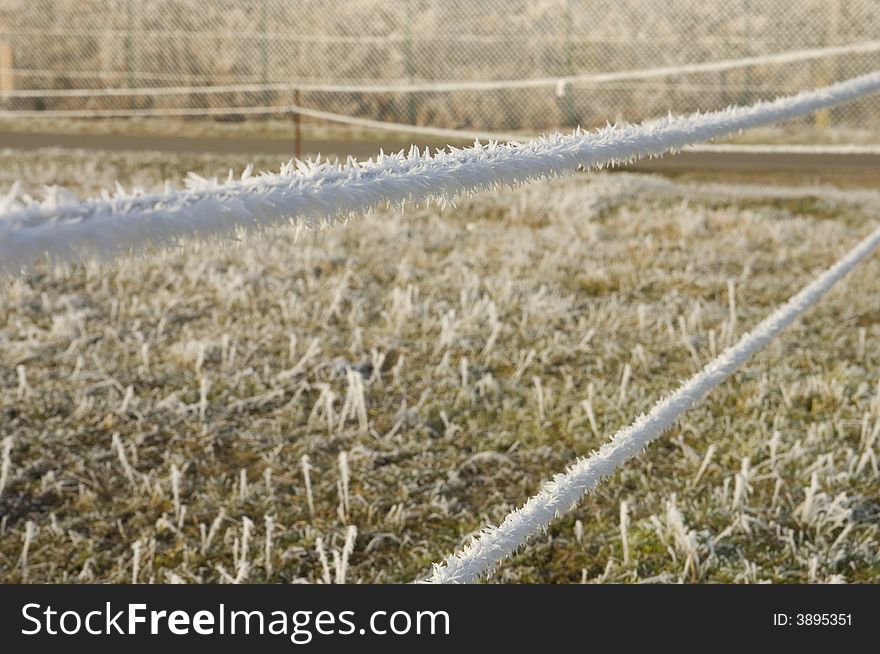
[435,366]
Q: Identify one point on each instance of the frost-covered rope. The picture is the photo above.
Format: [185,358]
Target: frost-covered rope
[565,490]
[318,190]
[789,56]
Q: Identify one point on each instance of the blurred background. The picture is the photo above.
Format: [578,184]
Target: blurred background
[500,66]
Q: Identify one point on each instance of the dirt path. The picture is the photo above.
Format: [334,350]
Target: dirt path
[843,169]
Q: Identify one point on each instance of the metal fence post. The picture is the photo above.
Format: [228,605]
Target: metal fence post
[264,49]
[826,68]
[747,73]
[7,72]
[408,65]
[297,127]
[129,49]
[569,63]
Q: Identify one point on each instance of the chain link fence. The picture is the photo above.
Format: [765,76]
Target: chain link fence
[333,56]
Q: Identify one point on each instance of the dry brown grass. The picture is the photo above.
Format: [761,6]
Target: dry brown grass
[457,358]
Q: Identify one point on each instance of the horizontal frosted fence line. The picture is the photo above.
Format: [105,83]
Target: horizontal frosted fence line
[113,74]
[402,127]
[789,56]
[441,37]
[247,111]
[869,199]
[782,148]
[565,490]
[442,132]
[314,191]
[333,39]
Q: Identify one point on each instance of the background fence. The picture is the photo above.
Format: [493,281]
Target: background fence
[130,44]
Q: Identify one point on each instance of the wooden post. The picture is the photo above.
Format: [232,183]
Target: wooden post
[129,49]
[823,116]
[264,49]
[746,97]
[570,117]
[7,74]
[297,131]
[408,64]
[826,68]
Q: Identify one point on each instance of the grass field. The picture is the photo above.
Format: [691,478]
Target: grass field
[435,365]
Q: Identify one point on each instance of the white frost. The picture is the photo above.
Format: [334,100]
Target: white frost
[318,190]
[563,492]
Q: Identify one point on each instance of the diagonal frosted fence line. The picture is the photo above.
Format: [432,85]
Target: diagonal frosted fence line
[565,490]
[313,191]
